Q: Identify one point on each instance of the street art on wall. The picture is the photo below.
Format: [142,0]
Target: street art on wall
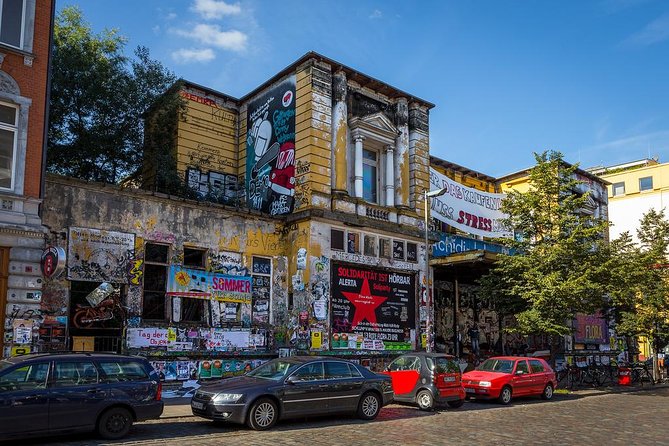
[470,210]
[213,186]
[99,256]
[373,307]
[198,284]
[270,148]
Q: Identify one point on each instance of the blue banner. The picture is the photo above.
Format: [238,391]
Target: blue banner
[454,244]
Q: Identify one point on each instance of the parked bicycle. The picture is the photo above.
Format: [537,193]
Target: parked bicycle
[642,373]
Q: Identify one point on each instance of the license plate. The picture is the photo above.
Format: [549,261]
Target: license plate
[449,379]
[197,405]
[468,390]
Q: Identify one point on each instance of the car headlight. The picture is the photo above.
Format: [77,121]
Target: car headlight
[485,384]
[226,398]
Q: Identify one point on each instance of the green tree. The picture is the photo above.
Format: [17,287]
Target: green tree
[639,281]
[98,98]
[557,270]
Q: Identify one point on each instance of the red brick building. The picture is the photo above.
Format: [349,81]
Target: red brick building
[25,49]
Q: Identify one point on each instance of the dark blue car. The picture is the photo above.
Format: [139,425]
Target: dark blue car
[45,394]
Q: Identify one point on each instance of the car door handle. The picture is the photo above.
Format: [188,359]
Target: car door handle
[94,391]
[323,386]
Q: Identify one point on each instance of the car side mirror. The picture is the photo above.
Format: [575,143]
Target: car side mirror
[292,379]
[520,372]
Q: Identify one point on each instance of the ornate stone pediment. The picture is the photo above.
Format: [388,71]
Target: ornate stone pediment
[375,126]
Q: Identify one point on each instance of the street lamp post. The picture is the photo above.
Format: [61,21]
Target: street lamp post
[428,195]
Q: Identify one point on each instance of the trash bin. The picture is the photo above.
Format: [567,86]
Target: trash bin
[624,376]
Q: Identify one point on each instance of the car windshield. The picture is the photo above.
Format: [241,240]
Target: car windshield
[274,370]
[497,365]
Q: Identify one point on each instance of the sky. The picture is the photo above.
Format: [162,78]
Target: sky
[588,78]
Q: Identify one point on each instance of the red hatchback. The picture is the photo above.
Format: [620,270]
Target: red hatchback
[505,377]
[427,380]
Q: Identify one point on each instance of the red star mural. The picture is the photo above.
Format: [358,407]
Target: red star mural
[365,305]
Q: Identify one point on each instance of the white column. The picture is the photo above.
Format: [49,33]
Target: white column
[358,164]
[390,175]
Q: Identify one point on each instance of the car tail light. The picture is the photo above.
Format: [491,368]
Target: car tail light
[159,392]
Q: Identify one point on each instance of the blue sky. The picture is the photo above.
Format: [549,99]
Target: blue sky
[508,78]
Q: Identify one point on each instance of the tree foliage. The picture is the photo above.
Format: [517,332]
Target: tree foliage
[557,270]
[639,280]
[98,98]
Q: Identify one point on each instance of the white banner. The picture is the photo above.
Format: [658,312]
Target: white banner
[470,210]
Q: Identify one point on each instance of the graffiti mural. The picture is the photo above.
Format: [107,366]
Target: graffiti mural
[99,256]
[213,186]
[270,148]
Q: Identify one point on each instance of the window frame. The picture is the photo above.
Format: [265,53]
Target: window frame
[166,266]
[343,239]
[13,128]
[22,37]
[641,188]
[376,165]
[614,188]
[203,257]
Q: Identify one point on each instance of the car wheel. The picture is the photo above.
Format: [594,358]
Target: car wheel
[369,406]
[263,414]
[505,395]
[548,392]
[425,400]
[114,423]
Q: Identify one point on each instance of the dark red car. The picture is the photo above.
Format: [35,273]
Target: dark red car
[506,377]
[427,380]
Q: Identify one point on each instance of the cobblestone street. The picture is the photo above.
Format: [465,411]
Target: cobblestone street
[593,418]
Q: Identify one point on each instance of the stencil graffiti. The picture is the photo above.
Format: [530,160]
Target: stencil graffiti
[270,145]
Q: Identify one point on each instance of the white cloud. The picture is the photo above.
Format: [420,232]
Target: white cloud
[156,29]
[377,14]
[213,9]
[212,35]
[171,16]
[193,55]
[656,31]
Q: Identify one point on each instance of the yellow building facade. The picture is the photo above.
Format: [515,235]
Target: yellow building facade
[302,231]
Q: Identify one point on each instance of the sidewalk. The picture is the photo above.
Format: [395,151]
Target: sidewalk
[180,407]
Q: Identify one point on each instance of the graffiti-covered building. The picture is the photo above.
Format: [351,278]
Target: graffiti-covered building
[299,229]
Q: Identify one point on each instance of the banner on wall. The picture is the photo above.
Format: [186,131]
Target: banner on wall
[372,308]
[270,149]
[94,255]
[470,210]
[591,329]
[198,284]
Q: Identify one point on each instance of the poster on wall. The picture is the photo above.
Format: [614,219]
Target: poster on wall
[591,329]
[261,289]
[94,255]
[470,210]
[270,149]
[198,284]
[375,308]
